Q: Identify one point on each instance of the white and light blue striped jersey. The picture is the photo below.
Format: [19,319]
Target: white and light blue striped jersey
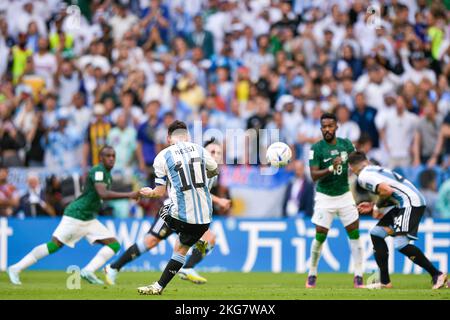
[183,167]
[405,193]
[212,182]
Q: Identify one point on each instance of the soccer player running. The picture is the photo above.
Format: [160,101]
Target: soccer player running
[161,231]
[329,169]
[400,220]
[184,167]
[79,221]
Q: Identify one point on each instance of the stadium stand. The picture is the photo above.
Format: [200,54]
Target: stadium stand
[73,78]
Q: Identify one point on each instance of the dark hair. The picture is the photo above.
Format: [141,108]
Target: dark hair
[328,115]
[210,141]
[176,125]
[356,157]
[106,146]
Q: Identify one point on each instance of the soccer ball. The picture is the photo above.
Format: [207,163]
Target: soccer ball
[278,154]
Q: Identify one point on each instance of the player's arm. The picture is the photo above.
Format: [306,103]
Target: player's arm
[223,203]
[212,168]
[106,194]
[371,208]
[317,174]
[374,183]
[383,190]
[159,191]
[314,163]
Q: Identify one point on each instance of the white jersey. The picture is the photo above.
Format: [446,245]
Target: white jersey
[183,167]
[405,193]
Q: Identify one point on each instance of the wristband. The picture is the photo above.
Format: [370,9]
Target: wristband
[331,168]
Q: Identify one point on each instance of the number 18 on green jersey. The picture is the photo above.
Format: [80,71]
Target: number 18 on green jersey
[322,155]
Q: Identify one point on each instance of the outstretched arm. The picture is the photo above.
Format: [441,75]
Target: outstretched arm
[223,203]
[157,192]
[106,194]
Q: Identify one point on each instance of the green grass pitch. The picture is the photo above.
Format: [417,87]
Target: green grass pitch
[220,286]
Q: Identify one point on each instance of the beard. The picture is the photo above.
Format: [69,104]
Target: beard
[329,137]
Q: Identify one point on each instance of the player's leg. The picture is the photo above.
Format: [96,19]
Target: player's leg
[173,266]
[96,232]
[110,247]
[323,219]
[316,250]
[403,245]
[147,243]
[188,236]
[357,252]
[39,252]
[378,235]
[349,216]
[188,272]
[68,232]
[136,250]
[158,231]
[407,223]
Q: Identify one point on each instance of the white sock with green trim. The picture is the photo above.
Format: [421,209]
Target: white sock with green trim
[103,255]
[358,256]
[31,258]
[316,249]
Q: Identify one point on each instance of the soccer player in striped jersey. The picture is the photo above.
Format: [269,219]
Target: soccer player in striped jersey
[188,272]
[183,167]
[403,207]
[161,231]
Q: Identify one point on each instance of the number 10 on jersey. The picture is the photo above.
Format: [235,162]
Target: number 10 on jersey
[195,175]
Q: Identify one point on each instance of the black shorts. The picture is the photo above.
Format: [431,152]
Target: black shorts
[189,233]
[404,221]
[159,228]
[164,225]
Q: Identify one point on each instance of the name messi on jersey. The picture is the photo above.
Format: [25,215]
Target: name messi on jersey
[185,150]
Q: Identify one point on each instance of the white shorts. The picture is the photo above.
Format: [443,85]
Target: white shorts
[70,231]
[327,207]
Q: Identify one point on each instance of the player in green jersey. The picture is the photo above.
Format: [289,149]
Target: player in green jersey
[79,221]
[329,169]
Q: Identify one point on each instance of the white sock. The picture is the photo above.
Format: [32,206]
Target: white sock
[32,257]
[357,254]
[103,255]
[316,249]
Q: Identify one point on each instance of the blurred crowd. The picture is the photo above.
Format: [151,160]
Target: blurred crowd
[75,77]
